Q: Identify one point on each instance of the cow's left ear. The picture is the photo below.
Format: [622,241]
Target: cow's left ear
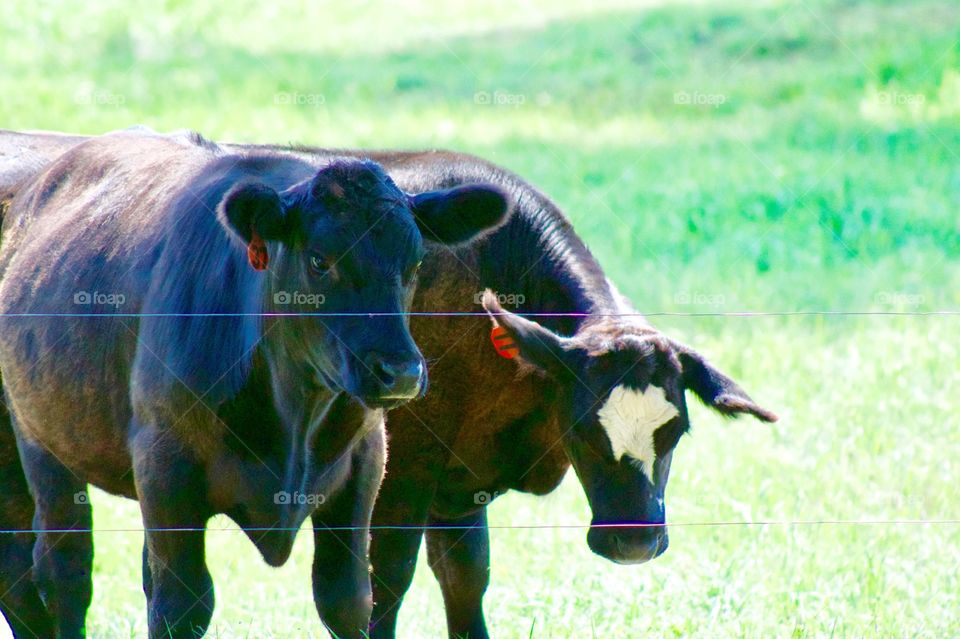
[516,336]
[715,389]
[460,214]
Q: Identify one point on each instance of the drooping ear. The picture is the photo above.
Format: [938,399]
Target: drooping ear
[256,213]
[461,214]
[715,389]
[516,336]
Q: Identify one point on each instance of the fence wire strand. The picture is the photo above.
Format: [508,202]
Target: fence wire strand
[797,313]
[423,527]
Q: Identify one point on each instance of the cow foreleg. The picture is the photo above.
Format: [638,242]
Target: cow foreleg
[178,586]
[20,600]
[341,565]
[460,559]
[63,552]
[402,509]
[147,579]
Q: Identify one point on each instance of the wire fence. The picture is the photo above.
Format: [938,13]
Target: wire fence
[425,527]
[798,313]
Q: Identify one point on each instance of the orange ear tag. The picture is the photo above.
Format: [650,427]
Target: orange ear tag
[504,344]
[257,252]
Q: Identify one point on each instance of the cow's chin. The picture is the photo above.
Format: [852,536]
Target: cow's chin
[385,403]
[373,399]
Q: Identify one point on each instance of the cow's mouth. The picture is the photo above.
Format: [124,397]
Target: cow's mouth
[626,544]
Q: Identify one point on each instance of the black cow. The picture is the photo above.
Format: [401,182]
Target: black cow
[186,327]
[600,389]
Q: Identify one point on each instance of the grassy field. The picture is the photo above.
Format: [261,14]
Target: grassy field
[718,157]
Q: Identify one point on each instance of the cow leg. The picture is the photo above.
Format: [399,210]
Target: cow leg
[341,565]
[402,509]
[460,560]
[63,552]
[147,579]
[180,605]
[178,586]
[20,600]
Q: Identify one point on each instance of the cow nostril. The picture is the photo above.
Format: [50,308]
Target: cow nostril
[397,379]
[394,372]
[386,373]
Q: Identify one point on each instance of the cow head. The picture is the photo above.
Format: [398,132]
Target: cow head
[623,410]
[342,251]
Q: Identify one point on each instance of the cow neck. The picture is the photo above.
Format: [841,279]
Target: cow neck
[538,256]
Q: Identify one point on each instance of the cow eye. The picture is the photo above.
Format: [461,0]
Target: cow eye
[320,264]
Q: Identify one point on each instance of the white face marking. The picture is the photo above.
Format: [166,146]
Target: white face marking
[630,419]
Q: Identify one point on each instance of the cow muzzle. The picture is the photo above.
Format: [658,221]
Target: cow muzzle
[392,381]
[628,543]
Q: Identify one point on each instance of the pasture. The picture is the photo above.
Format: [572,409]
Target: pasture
[717,157]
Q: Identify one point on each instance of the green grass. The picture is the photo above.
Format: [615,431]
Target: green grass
[823,175]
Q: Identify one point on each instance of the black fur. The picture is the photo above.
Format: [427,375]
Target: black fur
[179,392]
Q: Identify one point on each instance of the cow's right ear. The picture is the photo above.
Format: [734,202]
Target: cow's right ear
[461,214]
[257,214]
[715,389]
[254,208]
[516,336]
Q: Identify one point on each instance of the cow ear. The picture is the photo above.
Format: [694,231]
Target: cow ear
[251,209]
[257,214]
[461,214]
[716,390]
[516,336]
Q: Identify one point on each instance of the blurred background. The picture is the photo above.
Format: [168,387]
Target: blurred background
[717,157]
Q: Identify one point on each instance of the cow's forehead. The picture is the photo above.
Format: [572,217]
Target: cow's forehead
[358,194]
[379,225]
[630,418]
